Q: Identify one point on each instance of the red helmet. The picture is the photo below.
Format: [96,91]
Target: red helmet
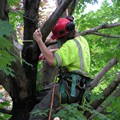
[59,30]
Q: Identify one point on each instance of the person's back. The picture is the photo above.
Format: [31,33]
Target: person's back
[74,55]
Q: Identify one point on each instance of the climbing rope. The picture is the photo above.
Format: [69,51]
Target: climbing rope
[52,98]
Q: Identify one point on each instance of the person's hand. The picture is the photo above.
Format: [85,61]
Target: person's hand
[37,35]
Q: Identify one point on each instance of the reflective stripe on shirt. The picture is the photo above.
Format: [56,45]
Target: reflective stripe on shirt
[80,54]
[81,71]
[58,59]
[74,55]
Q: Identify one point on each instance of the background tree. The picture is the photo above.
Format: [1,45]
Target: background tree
[18,76]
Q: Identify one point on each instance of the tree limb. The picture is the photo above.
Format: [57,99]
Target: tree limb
[105,35]
[103,26]
[53,18]
[3,10]
[108,91]
[72,6]
[96,80]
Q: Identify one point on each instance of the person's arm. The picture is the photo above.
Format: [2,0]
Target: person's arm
[47,54]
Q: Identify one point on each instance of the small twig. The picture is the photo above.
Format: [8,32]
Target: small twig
[105,35]
[102,26]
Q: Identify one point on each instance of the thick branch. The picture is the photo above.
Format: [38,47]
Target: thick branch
[105,35]
[96,80]
[4,8]
[103,26]
[53,18]
[95,104]
[72,6]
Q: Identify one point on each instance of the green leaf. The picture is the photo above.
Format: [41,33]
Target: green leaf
[5,28]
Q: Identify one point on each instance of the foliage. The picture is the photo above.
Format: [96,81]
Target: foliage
[102,48]
[39,112]
[70,112]
[4,116]
[14,2]
[14,15]
[6,56]
[4,104]
[75,112]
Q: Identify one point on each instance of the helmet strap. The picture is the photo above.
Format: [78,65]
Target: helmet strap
[59,43]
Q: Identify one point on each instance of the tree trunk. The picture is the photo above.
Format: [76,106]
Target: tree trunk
[22,86]
[29,53]
[4,10]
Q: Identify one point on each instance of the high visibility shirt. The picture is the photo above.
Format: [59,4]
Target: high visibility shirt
[74,54]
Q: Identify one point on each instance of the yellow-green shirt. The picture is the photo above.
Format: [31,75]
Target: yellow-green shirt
[74,55]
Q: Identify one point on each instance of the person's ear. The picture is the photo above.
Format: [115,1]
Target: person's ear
[70,26]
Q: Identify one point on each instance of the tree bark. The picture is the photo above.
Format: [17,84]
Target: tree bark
[95,30]
[56,14]
[72,6]
[29,53]
[4,9]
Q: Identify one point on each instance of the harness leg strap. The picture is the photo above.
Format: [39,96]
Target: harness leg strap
[75,78]
[63,94]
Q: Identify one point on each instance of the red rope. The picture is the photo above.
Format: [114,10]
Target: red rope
[52,100]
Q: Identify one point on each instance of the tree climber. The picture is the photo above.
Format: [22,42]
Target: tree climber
[73,59]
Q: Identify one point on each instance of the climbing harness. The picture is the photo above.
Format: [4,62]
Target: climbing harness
[75,82]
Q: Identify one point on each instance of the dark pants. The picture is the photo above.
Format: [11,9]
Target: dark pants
[45,101]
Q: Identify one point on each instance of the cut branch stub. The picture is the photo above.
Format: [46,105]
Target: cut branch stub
[53,18]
